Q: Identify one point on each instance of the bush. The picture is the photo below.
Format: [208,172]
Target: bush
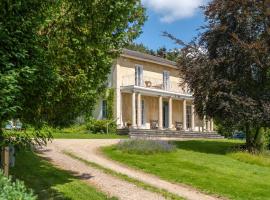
[267,139]
[100,126]
[139,146]
[14,190]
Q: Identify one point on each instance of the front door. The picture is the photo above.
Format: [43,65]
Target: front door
[165,114]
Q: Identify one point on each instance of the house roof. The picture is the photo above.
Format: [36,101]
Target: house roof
[147,57]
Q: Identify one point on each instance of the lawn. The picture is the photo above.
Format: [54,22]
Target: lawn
[63,135]
[209,165]
[77,132]
[49,182]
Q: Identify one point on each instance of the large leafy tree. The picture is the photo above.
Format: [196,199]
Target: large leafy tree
[85,36]
[25,77]
[228,68]
[55,56]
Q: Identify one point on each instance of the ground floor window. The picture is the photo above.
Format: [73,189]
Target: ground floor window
[142,112]
[104,109]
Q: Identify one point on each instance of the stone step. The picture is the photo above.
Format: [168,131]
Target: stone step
[176,136]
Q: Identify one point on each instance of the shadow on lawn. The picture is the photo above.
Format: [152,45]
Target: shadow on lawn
[41,176]
[207,146]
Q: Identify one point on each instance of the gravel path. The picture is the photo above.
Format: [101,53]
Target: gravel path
[110,185]
[88,150]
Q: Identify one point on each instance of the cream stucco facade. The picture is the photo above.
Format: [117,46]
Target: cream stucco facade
[150,95]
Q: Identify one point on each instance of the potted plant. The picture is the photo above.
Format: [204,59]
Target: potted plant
[129,124]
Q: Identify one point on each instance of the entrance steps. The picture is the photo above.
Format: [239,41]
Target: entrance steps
[141,133]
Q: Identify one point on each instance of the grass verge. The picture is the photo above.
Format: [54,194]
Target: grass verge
[209,165]
[49,182]
[62,135]
[124,177]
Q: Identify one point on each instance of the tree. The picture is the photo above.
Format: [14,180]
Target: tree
[140,48]
[228,68]
[55,57]
[25,78]
[85,36]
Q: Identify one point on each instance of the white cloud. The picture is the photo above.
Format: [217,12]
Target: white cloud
[172,10]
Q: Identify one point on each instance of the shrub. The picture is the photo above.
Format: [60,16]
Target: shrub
[100,126]
[14,190]
[139,146]
[267,139]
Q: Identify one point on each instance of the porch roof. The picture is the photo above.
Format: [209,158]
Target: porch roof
[155,92]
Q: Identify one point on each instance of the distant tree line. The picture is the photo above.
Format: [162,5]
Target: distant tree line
[162,52]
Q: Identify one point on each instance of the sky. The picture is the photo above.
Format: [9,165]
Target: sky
[181,18]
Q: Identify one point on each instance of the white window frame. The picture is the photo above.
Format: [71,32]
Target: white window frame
[166,80]
[139,75]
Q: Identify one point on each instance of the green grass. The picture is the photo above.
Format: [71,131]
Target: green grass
[63,135]
[124,177]
[209,165]
[80,132]
[77,132]
[49,182]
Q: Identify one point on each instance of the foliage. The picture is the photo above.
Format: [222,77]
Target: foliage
[49,182]
[25,139]
[110,103]
[81,132]
[139,146]
[100,126]
[208,165]
[140,48]
[24,75]
[226,130]
[267,138]
[85,37]
[171,54]
[227,67]
[13,190]
[55,57]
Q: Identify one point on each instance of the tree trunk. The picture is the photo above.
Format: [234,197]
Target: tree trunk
[254,141]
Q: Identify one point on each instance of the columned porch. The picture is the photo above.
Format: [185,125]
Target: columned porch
[160,111]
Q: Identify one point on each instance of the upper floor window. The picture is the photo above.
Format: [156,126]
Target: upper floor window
[166,80]
[139,75]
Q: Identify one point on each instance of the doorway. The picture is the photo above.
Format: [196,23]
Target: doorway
[165,114]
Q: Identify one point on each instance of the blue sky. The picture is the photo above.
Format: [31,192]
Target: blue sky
[181,18]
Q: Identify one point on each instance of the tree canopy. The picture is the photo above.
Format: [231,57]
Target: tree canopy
[227,67]
[55,55]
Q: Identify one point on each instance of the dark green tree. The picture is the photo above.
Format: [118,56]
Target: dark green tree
[25,77]
[228,67]
[85,36]
[55,57]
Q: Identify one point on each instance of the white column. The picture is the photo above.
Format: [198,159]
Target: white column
[184,115]
[133,111]
[208,125]
[139,111]
[170,113]
[204,124]
[119,113]
[212,125]
[160,120]
[192,118]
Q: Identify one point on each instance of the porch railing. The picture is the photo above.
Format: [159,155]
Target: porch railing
[155,83]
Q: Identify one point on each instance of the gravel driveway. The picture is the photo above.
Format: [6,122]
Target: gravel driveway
[113,186]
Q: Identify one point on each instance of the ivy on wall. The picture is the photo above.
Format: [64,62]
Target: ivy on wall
[109,97]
